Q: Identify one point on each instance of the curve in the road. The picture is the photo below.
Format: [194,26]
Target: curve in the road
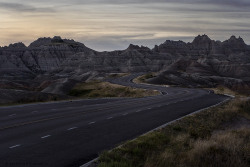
[72,133]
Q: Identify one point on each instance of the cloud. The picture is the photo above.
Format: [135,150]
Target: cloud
[114,24]
[24,8]
[233,3]
[239,3]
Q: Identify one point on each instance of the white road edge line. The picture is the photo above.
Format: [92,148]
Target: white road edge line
[72,128]
[45,136]
[162,126]
[15,146]
[90,162]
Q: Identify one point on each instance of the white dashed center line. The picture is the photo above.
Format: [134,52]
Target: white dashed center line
[125,114]
[72,128]
[91,123]
[109,117]
[15,146]
[138,111]
[34,111]
[12,115]
[45,137]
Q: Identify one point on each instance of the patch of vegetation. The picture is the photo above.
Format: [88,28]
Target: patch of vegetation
[238,92]
[229,148]
[76,92]
[191,141]
[245,109]
[117,75]
[225,90]
[97,89]
[143,78]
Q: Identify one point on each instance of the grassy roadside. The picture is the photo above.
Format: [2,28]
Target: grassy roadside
[97,89]
[92,89]
[217,137]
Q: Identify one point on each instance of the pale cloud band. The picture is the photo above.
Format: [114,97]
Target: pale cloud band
[113,24]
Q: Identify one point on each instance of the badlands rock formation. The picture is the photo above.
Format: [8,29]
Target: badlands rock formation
[43,55]
[54,65]
[207,63]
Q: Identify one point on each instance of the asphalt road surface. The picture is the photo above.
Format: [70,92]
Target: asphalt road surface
[72,133]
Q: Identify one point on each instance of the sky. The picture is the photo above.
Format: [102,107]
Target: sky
[114,24]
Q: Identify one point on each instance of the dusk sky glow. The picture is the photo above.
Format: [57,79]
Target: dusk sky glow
[114,24]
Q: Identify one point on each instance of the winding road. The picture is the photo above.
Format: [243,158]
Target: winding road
[72,133]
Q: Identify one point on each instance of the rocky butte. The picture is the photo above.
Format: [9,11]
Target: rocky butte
[54,65]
